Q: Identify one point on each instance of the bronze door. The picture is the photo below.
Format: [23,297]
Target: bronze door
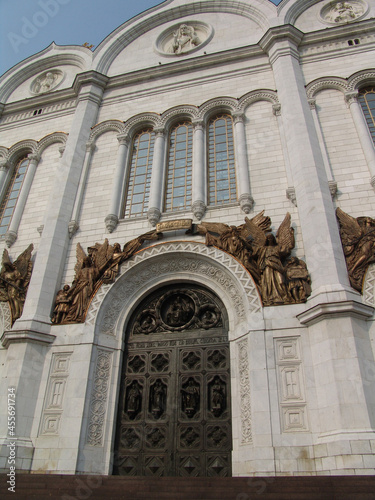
[174,411]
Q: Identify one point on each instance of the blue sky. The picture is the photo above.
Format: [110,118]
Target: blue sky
[28,26]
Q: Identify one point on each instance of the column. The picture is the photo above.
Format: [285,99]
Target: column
[331,182]
[157,178]
[11,234]
[245,199]
[119,181]
[290,191]
[199,171]
[4,169]
[73,224]
[54,243]
[363,132]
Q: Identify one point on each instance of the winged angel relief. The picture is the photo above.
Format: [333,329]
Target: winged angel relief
[358,241]
[280,281]
[14,281]
[101,265]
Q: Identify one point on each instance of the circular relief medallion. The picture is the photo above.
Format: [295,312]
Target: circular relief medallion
[183,38]
[46,82]
[177,310]
[335,13]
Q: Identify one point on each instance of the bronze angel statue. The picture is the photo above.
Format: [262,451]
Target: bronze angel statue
[236,240]
[264,256]
[14,281]
[358,242]
[101,265]
[270,253]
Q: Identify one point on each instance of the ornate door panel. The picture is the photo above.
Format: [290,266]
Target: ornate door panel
[174,411]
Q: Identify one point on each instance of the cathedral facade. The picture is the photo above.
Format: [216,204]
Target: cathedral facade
[187,225]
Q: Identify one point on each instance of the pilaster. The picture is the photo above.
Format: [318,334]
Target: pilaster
[324,255]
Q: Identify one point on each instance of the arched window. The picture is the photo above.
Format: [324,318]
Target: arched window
[367,100]
[138,188]
[221,161]
[178,192]
[11,194]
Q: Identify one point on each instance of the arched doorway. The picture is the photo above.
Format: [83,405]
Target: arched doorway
[174,415]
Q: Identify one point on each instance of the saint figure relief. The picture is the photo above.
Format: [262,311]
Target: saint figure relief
[343,12]
[184,39]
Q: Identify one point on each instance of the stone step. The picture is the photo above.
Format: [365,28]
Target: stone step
[79,487]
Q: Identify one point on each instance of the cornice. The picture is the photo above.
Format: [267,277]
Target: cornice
[89,78]
[198,63]
[280,33]
[333,33]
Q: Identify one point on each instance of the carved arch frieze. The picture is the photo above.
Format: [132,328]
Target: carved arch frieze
[320,84]
[218,105]
[143,120]
[178,113]
[257,95]
[360,79]
[106,126]
[55,137]
[193,261]
[21,148]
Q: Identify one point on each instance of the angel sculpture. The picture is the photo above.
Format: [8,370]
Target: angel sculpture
[14,281]
[269,253]
[236,240]
[358,242]
[101,265]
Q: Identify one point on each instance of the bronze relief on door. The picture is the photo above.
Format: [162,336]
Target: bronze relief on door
[174,409]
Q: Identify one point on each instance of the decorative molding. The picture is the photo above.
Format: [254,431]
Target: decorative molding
[245,392]
[29,114]
[55,137]
[111,222]
[333,188]
[321,312]
[54,395]
[291,391]
[10,237]
[198,208]
[106,126]
[5,317]
[188,112]
[361,78]
[99,397]
[10,337]
[164,261]
[73,227]
[291,195]
[153,216]
[330,82]
[369,286]
[220,104]
[246,202]
[351,97]
[258,95]
[133,125]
